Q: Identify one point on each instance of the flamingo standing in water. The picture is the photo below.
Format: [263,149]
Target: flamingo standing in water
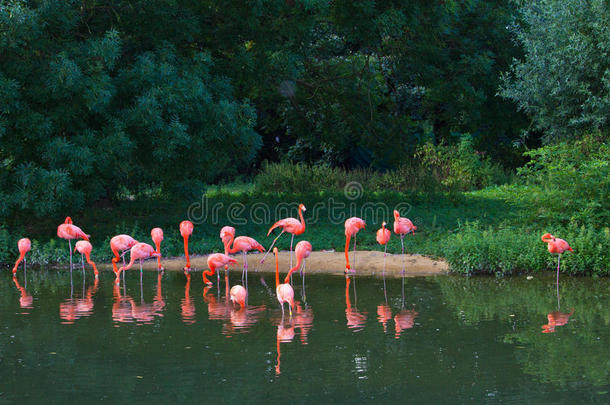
[139,251]
[290,225]
[215,261]
[402,227]
[186,230]
[352,226]
[383,237]
[24,245]
[84,248]
[241,244]
[238,295]
[157,236]
[556,245]
[284,292]
[302,251]
[119,244]
[69,231]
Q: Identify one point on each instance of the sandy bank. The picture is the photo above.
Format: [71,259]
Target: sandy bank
[322,262]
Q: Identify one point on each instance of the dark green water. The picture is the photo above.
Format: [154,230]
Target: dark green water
[452,340]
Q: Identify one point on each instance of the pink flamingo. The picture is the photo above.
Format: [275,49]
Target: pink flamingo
[139,251]
[69,231]
[284,292]
[290,225]
[24,245]
[352,226]
[84,248]
[402,227]
[384,314]
[355,319]
[238,295]
[186,230]
[405,319]
[241,244]
[302,251]
[556,245]
[556,318]
[215,261]
[383,237]
[120,244]
[26,301]
[157,236]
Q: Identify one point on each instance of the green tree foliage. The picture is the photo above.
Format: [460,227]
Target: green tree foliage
[86,109]
[563,81]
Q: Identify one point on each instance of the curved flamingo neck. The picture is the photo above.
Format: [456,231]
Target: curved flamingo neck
[277,271]
[88,257]
[129,265]
[19,260]
[302,220]
[186,252]
[347,239]
[295,268]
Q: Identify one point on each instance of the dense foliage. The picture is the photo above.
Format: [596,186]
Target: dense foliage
[563,81]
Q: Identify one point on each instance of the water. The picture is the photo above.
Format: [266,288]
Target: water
[445,340]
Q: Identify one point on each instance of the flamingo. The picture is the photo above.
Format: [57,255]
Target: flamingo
[139,251]
[290,225]
[556,318]
[556,245]
[241,244]
[24,245]
[238,295]
[383,237]
[284,292]
[26,301]
[355,319]
[186,230]
[302,251]
[84,248]
[120,243]
[402,227]
[69,231]
[285,334]
[157,236]
[215,261]
[352,226]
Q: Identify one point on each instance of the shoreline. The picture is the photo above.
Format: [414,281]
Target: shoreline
[319,262]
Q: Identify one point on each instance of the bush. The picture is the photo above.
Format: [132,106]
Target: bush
[473,250]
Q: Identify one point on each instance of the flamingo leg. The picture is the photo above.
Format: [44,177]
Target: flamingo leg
[403,293]
[271,247]
[354,259]
[385,291]
[558,260]
[291,241]
[282,304]
[141,290]
[402,244]
[140,271]
[82,262]
[303,277]
[70,245]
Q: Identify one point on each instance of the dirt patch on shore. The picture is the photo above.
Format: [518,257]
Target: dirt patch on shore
[322,262]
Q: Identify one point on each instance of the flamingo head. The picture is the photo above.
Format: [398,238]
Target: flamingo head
[396,214]
[68,220]
[547,237]
[302,207]
[275,251]
[383,224]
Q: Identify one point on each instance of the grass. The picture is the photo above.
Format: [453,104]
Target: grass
[476,232]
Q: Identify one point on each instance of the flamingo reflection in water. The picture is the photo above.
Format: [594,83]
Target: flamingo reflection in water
[126,310]
[302,321]
[187,306]
[233,310]
[356,320]
[75,308]
[26,301]
[285,334]
[556,318]
[405,319]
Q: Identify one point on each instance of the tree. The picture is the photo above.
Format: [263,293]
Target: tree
[563,81]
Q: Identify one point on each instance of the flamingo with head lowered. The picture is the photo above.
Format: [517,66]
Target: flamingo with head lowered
[352,226]
[24,245]
[284,292]
[302,250]
[69,231]
[84,248]
[157,236]
[186,230]
[290,225]
[139,251]
[215,261]
[241,244]
[119,245]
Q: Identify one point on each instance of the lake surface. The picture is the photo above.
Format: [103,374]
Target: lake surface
[436,339]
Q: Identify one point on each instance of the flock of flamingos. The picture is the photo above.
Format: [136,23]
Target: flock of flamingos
[121,244]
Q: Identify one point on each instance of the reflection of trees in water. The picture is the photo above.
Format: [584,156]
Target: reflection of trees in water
[573,353]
